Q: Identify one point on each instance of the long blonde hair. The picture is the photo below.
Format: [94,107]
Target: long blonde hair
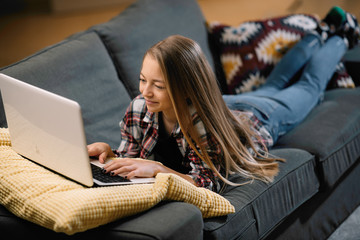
[190,80]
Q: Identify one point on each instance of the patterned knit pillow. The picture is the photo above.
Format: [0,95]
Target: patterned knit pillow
[250,51]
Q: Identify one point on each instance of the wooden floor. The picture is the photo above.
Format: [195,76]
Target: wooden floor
[24,33]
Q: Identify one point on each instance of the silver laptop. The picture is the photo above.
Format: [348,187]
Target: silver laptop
[48,129]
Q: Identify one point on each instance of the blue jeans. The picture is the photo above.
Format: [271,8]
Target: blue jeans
[281,107]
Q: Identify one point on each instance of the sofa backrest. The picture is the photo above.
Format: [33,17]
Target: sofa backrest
[79,69]
[144,23]
[99,68]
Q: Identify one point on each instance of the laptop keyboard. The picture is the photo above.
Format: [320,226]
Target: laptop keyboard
[106,178]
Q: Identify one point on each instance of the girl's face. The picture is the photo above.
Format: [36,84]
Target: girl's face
[152,86]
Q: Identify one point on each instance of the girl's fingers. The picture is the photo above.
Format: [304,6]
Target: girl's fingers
[132,167]
[117,164]
[131,174]
[123,170]
[100,150]
[92,150]
[102,157]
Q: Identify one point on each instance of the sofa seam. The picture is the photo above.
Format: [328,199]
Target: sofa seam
[311,155]
[290,172]
[288,214]
[238,234]
[352,138]
[136,233]
[334,154]
[267,189]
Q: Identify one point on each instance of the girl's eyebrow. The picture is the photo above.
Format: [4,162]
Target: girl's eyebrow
[155,80]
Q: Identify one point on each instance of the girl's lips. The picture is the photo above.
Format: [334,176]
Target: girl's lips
[148,102]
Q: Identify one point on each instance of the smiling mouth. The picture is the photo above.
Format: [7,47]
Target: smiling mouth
[148,102]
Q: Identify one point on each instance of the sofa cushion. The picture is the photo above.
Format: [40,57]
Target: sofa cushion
[80,69]
[260,206]
[331,132]
[145,23]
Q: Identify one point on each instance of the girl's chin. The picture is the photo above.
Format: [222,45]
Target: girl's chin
[152,108]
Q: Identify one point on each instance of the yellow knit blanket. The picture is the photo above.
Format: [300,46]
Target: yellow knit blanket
[45,198]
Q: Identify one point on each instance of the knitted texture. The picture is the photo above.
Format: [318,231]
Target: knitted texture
[47,199]
[4,137]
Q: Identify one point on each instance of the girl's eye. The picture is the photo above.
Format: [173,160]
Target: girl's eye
[142,80]
[160,87]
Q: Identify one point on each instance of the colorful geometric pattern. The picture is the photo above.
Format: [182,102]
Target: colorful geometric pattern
[250,51]
[301,21]
[241,34]
[273,47]
[341,79]
[231,63]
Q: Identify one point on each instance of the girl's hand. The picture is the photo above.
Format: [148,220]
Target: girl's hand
[134,167]
[100,150]
[138,167]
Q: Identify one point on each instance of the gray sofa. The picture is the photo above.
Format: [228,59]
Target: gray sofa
[316,189]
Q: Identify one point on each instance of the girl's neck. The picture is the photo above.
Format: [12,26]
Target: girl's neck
[169,122]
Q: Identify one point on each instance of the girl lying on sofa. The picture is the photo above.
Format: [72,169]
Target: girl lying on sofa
[186,127]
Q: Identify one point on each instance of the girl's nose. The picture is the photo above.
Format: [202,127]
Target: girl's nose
[147,91]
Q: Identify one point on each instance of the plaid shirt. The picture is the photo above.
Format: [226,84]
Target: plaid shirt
[140,133]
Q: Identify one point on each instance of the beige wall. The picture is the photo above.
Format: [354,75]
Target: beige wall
[25,33]
[237,11]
